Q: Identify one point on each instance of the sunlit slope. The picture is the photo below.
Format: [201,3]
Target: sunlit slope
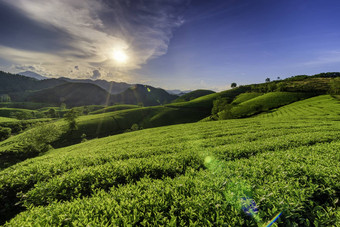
[186,174]
[245,97]
[266,102]
[7,119]
[323,106]
[114,108]
[206,102]
[193,95]
[100,125]
[10,112]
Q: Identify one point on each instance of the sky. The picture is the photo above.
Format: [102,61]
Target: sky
[173,44]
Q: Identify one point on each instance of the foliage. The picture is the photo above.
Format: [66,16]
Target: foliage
[71,117]
[219,105]
[5,133]
[266,102]
[193,95]
[52,113]
[5,98]
[163,176]
[245,97]
[134,127]
[233,85]
[113,108]
[335,86]
[39,139]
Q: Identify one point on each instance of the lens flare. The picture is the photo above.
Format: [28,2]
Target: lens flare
[273,220]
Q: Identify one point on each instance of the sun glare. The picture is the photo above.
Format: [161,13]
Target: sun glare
[119,56]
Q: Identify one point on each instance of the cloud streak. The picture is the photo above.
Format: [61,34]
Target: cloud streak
[94,29]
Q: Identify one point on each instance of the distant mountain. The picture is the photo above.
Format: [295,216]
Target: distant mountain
[143,94]
[192,95]
[16,83]
[62,90]
[178,92]
[110,86]
[33,75]
[72,94]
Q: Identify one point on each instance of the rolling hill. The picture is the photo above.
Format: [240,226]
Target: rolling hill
[193,95]
[110,86]
[143,94]
[202,174]
[72,94]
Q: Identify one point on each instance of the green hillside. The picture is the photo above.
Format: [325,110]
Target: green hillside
[72,94]
[203,174]
[245,97]
[114,108]
[320,107]
[193,95]
[266,102]
[25,105]
[143,94]
[7,119]
[12,112]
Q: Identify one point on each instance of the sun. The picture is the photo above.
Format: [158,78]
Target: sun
[119,56]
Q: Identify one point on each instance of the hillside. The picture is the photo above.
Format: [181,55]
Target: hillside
[16,83]
[200,174]
[143,94]
[110,86]
[72,94]
[33,75]
[193,95]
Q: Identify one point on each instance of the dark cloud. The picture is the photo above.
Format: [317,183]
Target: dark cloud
[96,74]
[21,32]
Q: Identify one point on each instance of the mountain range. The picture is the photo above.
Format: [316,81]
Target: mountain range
[74,92]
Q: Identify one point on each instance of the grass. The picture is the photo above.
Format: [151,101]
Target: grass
[189,174]
[193,95]
[114,108]
[6,119]
[245,97]
[322,107]
[24,105]
[266,102]
[7,112]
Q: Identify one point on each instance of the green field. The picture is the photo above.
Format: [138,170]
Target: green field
[6,119]
[198,174]
[114,108]
[7,112]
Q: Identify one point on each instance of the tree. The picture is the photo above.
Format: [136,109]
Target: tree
[134,127]
[52,113]
[62,106]
[267,79]
[335,86]
[71,117]
[278,78]
[219,105]
[233,85]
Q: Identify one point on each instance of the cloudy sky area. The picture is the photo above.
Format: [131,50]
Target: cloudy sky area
[171,43]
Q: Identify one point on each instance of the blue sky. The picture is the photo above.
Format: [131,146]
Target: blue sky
[171,43]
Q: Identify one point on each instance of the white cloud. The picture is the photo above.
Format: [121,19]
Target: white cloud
[94,37]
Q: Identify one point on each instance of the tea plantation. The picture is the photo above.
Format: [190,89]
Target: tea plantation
[197,174]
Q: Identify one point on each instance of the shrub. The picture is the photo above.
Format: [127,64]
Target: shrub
[5,133]
[39,138]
